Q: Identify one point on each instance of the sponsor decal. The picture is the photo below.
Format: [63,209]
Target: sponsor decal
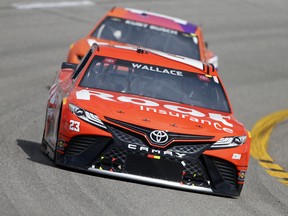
[155,151]
[242,175]
[203,78]
[151,27]
[218,121]
[64,101]
[109,60]
[195,38]
[215,79]
[138,24]
[183,163]
[53,94]
[61,145]
[52,101]
[154,156]
[162,29]
[236,156]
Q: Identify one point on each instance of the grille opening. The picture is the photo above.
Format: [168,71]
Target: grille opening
[227,170]
[191,148]
[193,167]
[79,144]
[126,136]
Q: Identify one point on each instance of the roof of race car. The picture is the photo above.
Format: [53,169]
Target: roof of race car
[153,18]
[167,58]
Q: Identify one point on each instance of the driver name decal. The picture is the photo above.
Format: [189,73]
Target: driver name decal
[151,27]
[157,69]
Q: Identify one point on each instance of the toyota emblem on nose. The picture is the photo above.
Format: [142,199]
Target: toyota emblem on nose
[158,136]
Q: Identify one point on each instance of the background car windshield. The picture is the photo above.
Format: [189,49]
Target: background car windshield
[155,82]
[150,36]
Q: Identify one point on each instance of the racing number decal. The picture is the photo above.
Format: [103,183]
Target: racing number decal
[74,126]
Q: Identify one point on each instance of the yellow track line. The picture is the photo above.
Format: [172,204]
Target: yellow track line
[260,136]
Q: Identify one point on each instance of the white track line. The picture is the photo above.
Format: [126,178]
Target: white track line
[51,4]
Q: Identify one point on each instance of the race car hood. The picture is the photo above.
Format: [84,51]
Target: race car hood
[156,114]
[80,48]
[84,44]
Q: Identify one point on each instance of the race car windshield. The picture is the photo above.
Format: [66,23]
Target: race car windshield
[155,82]
[150,36]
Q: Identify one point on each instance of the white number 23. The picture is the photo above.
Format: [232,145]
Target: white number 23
[74,126]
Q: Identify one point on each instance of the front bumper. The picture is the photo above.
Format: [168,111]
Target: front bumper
[187,167]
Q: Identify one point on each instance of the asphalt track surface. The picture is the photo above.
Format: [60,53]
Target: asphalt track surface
[250,38]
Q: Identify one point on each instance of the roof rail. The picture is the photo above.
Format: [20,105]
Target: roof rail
[112,9]
[95,46]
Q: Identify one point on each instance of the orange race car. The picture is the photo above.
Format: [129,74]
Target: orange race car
[145,115]
[146,29]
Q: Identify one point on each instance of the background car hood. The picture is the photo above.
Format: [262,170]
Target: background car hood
[87,42]
[156,114]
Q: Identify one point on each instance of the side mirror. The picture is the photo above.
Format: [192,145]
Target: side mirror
[68,65]
[206,44]
[66,72]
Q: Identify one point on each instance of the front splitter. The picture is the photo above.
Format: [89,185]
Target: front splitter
[149,180]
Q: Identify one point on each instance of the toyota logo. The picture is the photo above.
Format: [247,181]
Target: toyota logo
[158,136]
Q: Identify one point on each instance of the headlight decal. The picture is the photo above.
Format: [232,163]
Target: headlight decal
[86,116]
[228,142]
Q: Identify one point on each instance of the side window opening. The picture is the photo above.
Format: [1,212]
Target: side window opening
[82,64]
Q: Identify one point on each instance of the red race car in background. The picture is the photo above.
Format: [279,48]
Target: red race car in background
[148,116]
[146,29]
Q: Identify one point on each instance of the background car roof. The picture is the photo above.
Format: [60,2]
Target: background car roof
[154,19]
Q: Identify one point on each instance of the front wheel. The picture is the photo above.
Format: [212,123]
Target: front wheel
[46,148]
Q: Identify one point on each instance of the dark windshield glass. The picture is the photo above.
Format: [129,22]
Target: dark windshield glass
[155,82]
[150,36]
